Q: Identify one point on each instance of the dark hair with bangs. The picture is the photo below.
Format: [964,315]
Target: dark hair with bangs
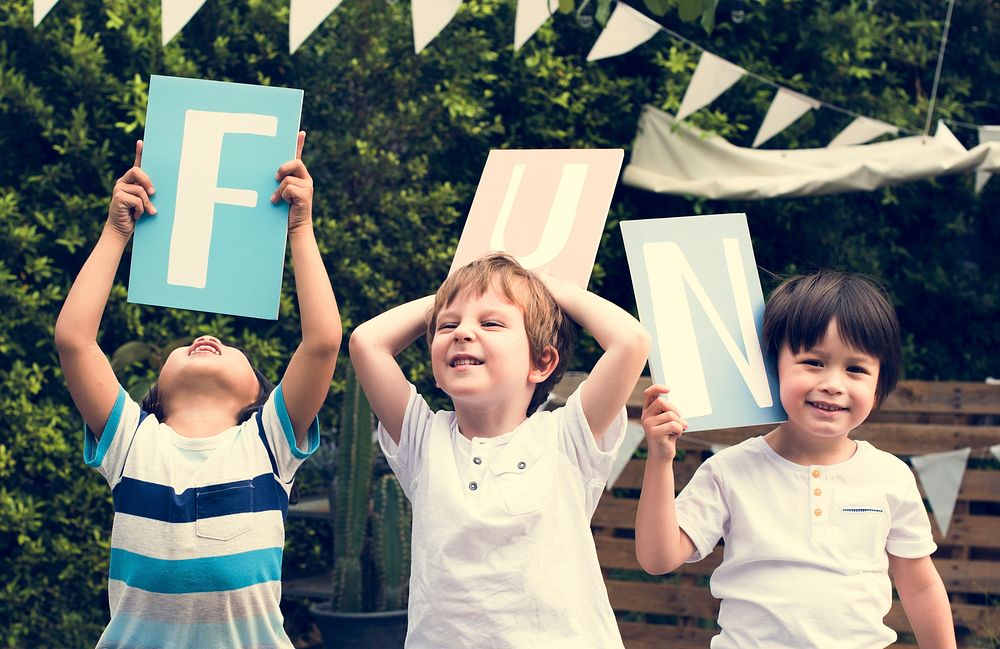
[544,321]
[151,402]
[800,310]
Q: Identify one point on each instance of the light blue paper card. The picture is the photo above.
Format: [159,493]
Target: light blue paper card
[216,243]
[699,295]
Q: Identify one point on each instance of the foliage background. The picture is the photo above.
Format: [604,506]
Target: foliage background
[396,145]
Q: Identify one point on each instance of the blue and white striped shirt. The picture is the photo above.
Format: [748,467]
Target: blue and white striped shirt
[199,528]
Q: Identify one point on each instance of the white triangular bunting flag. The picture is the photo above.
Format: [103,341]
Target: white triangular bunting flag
[861,130]
[711,78]
[175,14]
[531,14]
[786,107]
[304,16]
[941,474]
[634,434]
[626,30]
[429,18]
[986,134]
[995,450]
[42,8]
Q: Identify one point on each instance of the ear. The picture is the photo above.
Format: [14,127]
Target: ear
[546,365]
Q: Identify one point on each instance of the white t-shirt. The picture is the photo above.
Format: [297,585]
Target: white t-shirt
[503,555]
[804,561]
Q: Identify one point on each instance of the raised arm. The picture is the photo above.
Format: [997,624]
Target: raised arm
[625,344]
[374,347]
[307,379]
[925,601]
[89,377]
[660,544]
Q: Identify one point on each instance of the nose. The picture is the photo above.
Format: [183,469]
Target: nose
[832,382]
[463,332]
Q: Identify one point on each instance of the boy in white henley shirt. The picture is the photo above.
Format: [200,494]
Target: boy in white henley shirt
[813,521]
[503,556]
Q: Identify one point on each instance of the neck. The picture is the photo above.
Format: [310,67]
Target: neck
[809,450]
[489,421]
[200,415]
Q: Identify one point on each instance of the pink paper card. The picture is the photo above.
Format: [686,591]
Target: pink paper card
[547,208]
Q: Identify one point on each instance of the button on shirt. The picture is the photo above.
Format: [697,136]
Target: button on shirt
[503,556]
[804,561]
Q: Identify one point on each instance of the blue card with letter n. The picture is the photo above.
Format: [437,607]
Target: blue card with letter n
[699,295]
[216,243]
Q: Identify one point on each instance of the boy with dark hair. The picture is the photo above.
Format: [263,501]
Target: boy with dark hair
[502,550]
[813,521]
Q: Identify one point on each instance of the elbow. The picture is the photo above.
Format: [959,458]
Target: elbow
[67,337]
[636,344]
[652,563]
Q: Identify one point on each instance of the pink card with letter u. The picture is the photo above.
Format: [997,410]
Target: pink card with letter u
[547,208]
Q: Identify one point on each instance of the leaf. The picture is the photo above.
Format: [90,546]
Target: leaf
[603,12]
[566,6]
[658,7]
[689,10]
[132,352]
[708,15]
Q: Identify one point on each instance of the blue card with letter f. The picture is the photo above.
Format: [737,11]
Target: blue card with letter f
[216,243]
[699,295]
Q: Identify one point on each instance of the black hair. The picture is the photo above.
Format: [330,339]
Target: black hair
[151,402]
[800,310]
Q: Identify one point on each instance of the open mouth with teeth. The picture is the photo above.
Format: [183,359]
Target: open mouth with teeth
[826,407]
[459,361]
[204,347]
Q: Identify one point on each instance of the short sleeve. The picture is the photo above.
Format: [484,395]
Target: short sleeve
[910,529]
[702,511]
[407,457]
[594,458]
[108,453]
[276,426]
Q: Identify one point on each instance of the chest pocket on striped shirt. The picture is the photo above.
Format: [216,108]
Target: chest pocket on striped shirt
[224,511]
[523,477]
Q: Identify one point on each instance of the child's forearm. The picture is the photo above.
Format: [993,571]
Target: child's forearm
[658,537]
[320,318]
[80,317]
[925,601]
[374,347]
[393,331]
[625,344]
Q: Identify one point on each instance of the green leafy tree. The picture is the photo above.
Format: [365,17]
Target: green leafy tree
[396,145]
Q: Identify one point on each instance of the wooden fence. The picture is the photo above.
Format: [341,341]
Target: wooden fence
[678,611]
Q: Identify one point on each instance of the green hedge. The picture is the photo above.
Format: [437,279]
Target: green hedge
[396,144]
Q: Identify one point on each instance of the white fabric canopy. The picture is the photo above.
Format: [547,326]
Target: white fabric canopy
[688,162]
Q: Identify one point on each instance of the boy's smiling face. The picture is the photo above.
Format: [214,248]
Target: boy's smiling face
[828,389]
[480,353]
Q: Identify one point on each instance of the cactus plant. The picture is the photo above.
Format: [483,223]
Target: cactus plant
[371,566]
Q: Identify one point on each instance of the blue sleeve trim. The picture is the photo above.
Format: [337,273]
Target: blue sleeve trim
[312,435]
[94,450]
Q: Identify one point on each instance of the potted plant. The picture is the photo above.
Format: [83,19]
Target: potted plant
[371,542]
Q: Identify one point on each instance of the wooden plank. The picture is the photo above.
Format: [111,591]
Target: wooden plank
[662,598]
[620,553]
[978,531]
[932,397]
[637,635]
[917,439]
[317,507]
[958,397]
